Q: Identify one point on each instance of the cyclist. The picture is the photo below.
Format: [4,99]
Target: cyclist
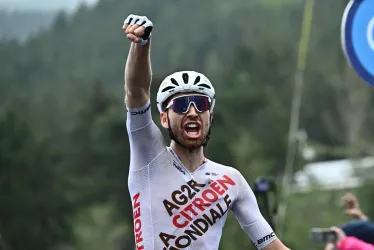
[180,199]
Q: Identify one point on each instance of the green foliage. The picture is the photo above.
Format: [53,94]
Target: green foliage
[33,200]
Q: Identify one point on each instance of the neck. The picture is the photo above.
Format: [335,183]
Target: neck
[191,158]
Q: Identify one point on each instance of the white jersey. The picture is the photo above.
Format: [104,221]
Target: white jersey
[176,209]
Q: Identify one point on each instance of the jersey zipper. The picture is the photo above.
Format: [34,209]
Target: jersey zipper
[175,156]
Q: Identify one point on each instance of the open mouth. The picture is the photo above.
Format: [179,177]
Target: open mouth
[192,129]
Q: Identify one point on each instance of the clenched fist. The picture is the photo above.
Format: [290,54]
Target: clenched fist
[138,28]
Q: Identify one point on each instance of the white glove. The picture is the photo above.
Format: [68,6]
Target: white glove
[138,28]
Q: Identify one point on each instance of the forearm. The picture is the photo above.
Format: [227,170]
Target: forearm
[138,75]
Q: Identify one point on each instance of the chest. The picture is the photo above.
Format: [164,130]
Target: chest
[186,197]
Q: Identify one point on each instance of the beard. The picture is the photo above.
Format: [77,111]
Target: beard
[190,143]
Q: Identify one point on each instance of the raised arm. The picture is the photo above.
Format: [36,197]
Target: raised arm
[146,140]
[138,73]
[352,207]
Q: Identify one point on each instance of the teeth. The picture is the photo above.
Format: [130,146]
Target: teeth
[192,126]
[192,133]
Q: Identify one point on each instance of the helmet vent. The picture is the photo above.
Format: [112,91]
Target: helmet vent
[167,88]
[173,81]
[197,80]
[185,78]
[204,85]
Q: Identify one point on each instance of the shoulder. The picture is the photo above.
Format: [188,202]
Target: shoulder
[220,169]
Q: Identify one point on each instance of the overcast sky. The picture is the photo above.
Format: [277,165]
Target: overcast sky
[42,4]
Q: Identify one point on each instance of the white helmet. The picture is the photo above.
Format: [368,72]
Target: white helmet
[185,81]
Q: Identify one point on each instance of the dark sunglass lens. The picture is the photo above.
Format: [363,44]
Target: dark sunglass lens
[180,104]
[202,103]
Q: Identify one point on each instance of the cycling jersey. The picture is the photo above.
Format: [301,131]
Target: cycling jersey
[176,209]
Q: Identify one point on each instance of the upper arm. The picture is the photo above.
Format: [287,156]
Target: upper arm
[247,212]
[146,140]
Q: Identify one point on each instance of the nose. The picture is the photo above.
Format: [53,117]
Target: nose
[192,111]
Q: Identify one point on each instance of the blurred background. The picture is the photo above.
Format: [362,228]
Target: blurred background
[64,150]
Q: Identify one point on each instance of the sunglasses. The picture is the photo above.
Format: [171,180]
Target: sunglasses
[181,104]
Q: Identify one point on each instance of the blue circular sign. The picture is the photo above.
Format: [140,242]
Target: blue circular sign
[358,37]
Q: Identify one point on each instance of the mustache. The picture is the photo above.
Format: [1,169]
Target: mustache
[192,119]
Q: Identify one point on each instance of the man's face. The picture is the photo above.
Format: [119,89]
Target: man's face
[190,128]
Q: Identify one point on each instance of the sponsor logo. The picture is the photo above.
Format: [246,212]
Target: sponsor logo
[178,167]
[196,207]
[213,174]
[265,238]
[141,111]
[137,222]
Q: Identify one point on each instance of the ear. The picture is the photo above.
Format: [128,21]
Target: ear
[211,118]
[164,119]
